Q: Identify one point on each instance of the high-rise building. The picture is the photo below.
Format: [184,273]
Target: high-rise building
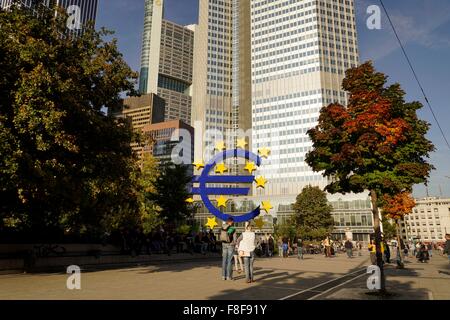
[222,78]
[140,112]
[80,12]
[166,61]
[300,51]
[170,139]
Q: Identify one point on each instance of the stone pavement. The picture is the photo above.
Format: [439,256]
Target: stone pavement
[418,281]
[276,278]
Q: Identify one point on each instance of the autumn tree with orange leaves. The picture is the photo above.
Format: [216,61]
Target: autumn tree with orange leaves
[397,207]
[377,143]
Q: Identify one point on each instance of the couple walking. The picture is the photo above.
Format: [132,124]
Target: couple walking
[239,247]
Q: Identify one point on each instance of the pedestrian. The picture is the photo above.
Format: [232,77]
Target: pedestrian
[280,247]
[285,247]
[430,249]
[418,246]
[271,245]
[300,248]
[373,252]
[349,248]
[422,255]
[228,239]
[359,245]
[327,245]
[412,249]
[246,247]
[387,252]
[447,246]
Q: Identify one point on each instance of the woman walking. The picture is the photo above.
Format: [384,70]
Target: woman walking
[246,248]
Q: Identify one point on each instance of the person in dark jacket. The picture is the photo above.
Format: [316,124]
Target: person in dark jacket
[387,252]
[349,248]
[422,255]
[447,246]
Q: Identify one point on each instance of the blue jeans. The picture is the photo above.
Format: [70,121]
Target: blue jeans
[227,256]
[248,265]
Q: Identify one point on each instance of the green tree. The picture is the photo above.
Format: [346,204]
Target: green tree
[389,229]
[376,143]
[171,193]
[65,165]
[313,214]
[150,217]
[286,230]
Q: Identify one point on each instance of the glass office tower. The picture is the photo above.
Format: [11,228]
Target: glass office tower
[300,51]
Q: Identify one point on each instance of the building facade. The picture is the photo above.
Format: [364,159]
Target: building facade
[429,221]
[222,75]
[170,142]
[140,112]
[300,51]
[80,12]
[167,61]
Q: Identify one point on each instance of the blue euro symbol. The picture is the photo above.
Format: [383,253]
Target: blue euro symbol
[205,178]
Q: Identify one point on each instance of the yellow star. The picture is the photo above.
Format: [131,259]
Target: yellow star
[221,168]
[266,206]
[250,166]
[199,164]
[211,223]
[190,200]
[220,145]
[264,152]
[241,143]
[260,182]
[259,223]
[222,201]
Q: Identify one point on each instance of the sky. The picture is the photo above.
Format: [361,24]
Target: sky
[423,26]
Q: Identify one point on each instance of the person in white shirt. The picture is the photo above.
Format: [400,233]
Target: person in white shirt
[246,248]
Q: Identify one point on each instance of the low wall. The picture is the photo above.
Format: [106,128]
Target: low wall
[71,248]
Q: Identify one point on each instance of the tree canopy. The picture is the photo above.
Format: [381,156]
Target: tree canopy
[64,164]
[313,214]
[375,143]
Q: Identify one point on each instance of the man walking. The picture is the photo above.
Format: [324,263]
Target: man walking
[349,248]
[300,248]
[430,249]
[447,246]
[228,238]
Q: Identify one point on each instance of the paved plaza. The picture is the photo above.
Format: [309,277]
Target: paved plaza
[315,277]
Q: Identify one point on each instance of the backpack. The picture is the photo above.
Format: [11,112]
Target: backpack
[224,236]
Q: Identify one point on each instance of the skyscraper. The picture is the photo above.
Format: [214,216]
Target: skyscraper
[300,51]
[166,61]
[80,11]
[222,78]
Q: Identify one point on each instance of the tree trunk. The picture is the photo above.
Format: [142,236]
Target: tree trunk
[377,229]
[400,264]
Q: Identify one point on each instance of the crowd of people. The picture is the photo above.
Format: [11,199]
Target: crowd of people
[135,242]
[242,249]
